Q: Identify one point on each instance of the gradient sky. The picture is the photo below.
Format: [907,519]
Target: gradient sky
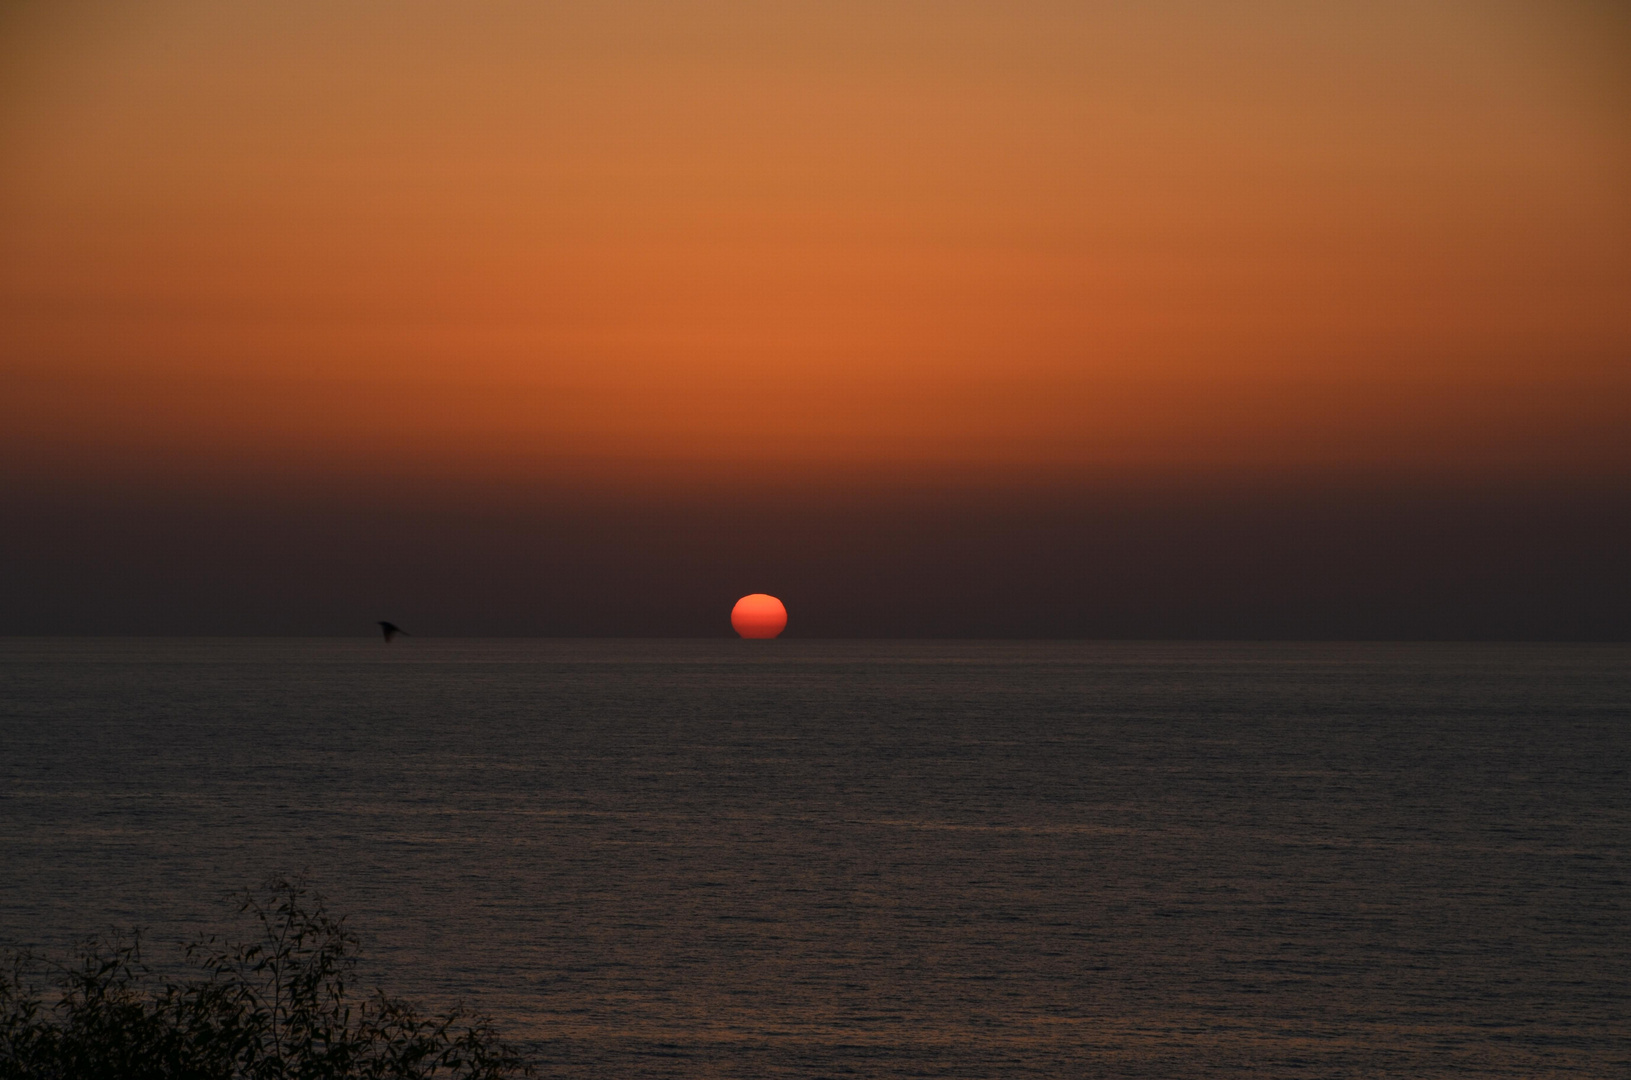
[264,248]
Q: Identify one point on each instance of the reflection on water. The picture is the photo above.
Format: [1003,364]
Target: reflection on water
[798,858]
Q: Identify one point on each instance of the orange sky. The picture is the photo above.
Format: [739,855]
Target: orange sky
[628,241]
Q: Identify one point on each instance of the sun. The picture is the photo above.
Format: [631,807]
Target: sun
[759,616]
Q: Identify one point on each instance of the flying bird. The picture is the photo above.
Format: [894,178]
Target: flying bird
[391,630]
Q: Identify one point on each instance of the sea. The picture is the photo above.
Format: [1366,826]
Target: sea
[798,858]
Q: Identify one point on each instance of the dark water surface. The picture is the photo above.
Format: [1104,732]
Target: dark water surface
[799,858]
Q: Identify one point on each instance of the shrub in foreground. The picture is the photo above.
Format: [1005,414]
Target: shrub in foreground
[277,1008]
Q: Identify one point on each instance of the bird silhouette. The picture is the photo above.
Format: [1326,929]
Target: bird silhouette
[391,630]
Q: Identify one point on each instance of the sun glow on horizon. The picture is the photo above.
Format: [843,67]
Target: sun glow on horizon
[759,615]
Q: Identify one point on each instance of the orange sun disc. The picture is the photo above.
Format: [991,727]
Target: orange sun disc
[759,616]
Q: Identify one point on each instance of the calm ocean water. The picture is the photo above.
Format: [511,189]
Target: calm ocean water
[801,859]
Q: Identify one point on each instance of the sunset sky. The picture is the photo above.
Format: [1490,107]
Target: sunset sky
[673,254]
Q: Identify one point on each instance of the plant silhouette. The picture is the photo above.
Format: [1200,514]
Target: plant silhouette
[276,1008]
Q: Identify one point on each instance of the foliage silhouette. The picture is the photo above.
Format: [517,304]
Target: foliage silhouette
[274,1009]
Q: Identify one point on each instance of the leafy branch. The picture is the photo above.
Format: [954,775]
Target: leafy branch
[275,1008]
